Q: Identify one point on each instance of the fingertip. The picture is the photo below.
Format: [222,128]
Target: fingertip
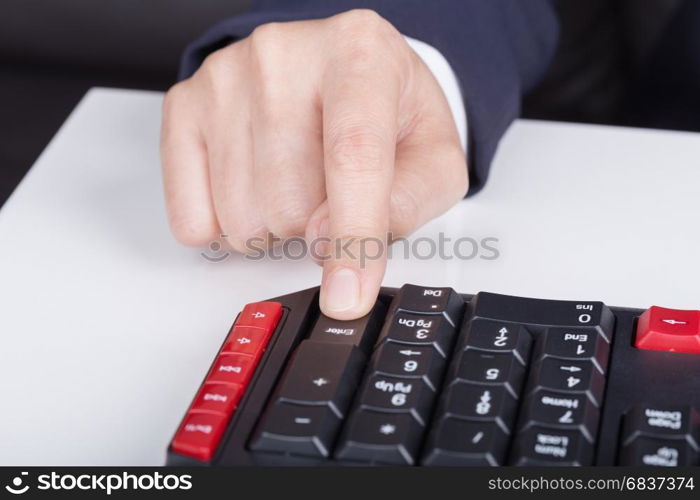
[193,232]
[341,294]
[348,293]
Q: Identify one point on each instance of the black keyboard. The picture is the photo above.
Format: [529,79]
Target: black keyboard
[436,378]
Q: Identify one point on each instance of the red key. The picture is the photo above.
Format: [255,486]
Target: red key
[199,435]
[232,369]
[217,398]
[246,340]
[263,315]
[660,329]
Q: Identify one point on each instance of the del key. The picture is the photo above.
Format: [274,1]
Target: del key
[429,300]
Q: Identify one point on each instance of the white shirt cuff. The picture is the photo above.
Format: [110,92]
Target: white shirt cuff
[447,79]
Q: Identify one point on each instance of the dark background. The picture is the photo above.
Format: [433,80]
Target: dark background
[609,67]
[53,51]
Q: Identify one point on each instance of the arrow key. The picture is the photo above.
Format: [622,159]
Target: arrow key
[246,340]
[481,402]
[646,451]
[392,358]
[419,330]
[495,336]
[575,344]
[563,411]
[263,315]
[580,377]
[660,329]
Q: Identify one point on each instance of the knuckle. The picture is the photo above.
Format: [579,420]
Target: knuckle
[355,149]
[213,65]
[192,231]
[246,229]
[239,237]
[287,217]
[367,37]
[236,242]
[266,32]
[173,97]
[217,70]
[235,227]
[266,41]
[366,21]
[287,227]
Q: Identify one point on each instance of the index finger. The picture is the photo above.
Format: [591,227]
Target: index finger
[360,125]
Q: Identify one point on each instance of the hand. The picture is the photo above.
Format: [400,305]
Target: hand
[329,128]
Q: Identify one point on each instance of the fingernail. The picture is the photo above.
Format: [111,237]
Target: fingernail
[342,290]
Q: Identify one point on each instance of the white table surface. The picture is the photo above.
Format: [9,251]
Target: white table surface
[107,326]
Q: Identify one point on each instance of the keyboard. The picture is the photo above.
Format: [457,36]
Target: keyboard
[433,377]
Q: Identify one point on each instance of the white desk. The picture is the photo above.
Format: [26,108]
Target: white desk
[107,326]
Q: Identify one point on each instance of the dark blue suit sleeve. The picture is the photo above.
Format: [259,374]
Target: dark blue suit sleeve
[497,48]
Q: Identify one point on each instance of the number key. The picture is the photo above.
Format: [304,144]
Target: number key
[561,410]
[496,336]
[393,394]
[491,368]
[568,376]
[542,446]
[575,343]
[415,329]
[481,402]
[409,361]
[654,452]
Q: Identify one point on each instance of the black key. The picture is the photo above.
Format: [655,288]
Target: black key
[414,329]
[543,313]
[429,300]
[654,452]
[456,442]
[496,336]
[578,377]
[393,394]
[384,438]
[574,344]
[295,429]
[322,374]
[561,410]
[670,423]
[400,360]
[481,402]
[491,368]
[360,332]
[543,446]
